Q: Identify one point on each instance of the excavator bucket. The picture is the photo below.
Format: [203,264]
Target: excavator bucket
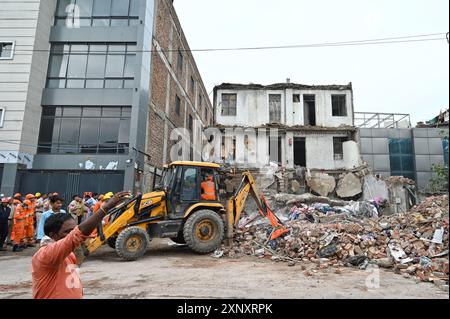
[279,228]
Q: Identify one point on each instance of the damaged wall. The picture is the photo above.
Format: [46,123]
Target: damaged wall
[249,148]
[252,107]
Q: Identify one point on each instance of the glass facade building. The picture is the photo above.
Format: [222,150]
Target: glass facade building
[85,130]
[401,157]
[94,13]
[92,65]
[94,106]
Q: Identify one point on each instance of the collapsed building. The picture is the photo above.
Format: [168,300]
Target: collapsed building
[295,138]
[309,138]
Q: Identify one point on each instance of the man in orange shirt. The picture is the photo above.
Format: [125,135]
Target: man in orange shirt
[54,266]
[101,200]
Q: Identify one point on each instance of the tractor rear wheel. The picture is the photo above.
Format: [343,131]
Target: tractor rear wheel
[132,243]
[204,231]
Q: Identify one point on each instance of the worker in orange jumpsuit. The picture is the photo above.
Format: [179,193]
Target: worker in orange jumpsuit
[20,216]
[208,189]
[29,223]
[101,200]
[16,201]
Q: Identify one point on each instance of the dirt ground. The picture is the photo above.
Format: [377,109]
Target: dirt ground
[169,271]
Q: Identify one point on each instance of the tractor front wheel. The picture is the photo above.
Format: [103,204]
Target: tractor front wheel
[132,243]
[204,231]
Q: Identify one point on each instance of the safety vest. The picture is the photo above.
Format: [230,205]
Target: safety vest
[209,190]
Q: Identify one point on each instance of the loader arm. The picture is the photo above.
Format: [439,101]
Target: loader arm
[236,204]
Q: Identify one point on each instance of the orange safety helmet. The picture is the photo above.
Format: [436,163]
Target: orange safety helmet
[30,196]
[18,195]
[27,203]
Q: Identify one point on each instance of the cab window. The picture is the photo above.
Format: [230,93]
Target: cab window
[189,188]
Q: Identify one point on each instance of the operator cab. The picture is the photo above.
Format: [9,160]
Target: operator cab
[187,184]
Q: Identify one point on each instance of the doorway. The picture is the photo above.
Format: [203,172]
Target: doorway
[275,149]
[300,151]
[310,110]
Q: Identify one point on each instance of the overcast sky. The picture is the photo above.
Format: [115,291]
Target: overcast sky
[403,77]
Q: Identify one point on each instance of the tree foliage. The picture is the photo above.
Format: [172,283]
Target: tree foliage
[439,182]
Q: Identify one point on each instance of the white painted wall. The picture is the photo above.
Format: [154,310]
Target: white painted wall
[255,153]
[320,154]
[18,22]
[253,108]
[28,23]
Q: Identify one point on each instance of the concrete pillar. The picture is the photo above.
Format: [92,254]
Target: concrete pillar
[8,183]
[352,156]
[128,183]
[289,142]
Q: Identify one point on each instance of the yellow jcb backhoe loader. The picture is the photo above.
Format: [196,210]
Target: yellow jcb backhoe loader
[177,211]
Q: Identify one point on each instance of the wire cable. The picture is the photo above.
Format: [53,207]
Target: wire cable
[375,41]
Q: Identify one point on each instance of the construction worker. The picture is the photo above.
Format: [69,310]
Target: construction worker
[17,199]
[208,189]
[99,203]
[20,217]
[29,223]
[54,266]
[16,202]
[101,200]
[5,211]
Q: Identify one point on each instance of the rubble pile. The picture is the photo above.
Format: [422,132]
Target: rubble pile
[413,243]
[399,180]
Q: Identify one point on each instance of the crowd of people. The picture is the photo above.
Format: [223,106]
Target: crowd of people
[22,219]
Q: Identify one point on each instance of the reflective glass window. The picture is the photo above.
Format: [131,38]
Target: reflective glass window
[120,8]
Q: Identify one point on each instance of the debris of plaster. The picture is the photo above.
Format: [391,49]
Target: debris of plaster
[349,186]
[321,183]
[374,187]
[295,187]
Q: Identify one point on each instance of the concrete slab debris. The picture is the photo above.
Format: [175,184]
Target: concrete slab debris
[374,187]
[321,183]
[349,186]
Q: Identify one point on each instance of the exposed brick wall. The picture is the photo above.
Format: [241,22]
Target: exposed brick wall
[155,144]
[163,25]
[159,83]
[166,19]
[177,120]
